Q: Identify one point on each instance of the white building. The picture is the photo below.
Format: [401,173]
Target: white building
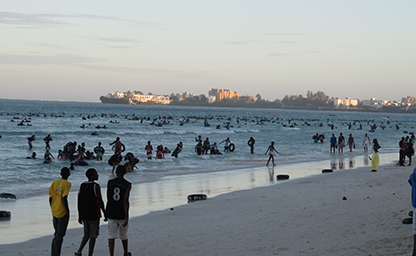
[154,98]
[347,102]
[116,94]
[211,99]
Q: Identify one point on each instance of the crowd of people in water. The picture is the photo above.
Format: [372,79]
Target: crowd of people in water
[78,155]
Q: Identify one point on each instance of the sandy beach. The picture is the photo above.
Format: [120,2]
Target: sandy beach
[306,216]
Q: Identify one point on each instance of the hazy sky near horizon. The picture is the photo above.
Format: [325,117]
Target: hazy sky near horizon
[80,50]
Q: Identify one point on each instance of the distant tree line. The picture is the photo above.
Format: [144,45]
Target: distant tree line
[311,101]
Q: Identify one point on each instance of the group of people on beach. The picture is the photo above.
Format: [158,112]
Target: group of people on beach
[406,149]
[90,206]
[341,143]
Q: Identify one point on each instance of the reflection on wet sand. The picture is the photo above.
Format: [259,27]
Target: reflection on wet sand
[342,165]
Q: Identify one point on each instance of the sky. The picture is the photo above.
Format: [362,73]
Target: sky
[79,50]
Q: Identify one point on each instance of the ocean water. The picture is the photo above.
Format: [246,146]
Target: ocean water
[163,183]
[28,178]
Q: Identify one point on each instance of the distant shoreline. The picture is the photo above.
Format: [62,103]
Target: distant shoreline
[228,105]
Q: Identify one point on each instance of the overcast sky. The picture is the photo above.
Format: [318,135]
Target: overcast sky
[79,50]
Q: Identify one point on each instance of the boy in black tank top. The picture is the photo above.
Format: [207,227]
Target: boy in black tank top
[89,204]
[118,193]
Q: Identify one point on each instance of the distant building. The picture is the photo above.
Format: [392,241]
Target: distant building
[367,103]
[347,103]
[409,99]
[221,94]
[185,95]
[116,95]
[378,104]
[211,99]
[153,98]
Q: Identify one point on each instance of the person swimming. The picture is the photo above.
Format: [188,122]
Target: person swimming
[33,156]
[47,157]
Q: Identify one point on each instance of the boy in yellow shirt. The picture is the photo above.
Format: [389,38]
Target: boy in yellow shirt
[58,200]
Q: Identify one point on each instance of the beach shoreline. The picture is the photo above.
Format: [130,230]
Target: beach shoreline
[31,216]
[304,215]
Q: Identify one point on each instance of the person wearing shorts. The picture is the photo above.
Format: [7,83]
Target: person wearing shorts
[117,210]
[89,204]
[412,182]
[99,150]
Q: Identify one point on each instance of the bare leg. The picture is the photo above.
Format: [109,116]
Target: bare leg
[83,243]
[414,245]
[111,246]
[91,246]
[125,246]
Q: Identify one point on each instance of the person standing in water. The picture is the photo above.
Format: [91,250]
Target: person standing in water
[99,150]
[149,149]
[341,143]
[206,146]
[226,145]
[269,151]
[366,142]
[30,139]
[47,139]
[118,146]
[351,143]
[251,142]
